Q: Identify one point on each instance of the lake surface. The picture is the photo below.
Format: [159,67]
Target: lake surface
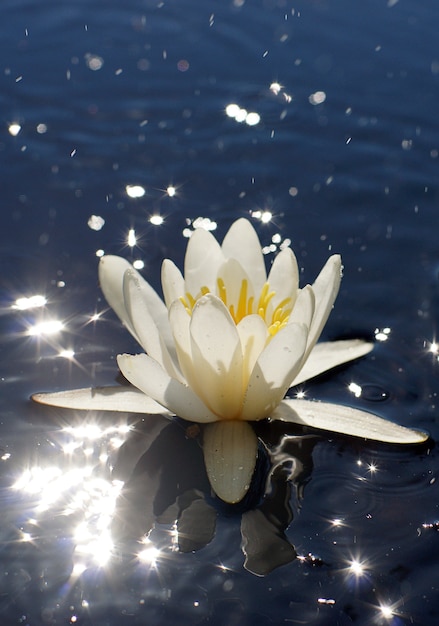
[117,137]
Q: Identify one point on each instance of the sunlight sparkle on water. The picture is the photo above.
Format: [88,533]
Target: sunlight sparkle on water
[50,327]
[433,348]
[355,389]
[30,302]
[200,222]
[382,334]
[317,98]
[66,354]
[357,568]
[156,220]
[78,490]
[14,129]
[264,216]
[135,191]
[386,611]
[95,222]
[131,239]
[242,115]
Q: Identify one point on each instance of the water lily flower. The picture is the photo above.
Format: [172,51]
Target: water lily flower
[225,345]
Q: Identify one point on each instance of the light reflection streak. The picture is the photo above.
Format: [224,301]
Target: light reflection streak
[77,489]
[30,302]
[132,239]
[49,327]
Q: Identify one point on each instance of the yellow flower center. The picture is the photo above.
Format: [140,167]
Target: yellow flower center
[275,318]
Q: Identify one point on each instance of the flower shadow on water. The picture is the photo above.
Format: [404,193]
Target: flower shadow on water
[165,483]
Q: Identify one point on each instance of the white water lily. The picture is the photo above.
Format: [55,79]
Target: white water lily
[224,347]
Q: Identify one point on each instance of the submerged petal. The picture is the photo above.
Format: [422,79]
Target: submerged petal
[148,376]
[328,354]
[230,450]
[347,421]
[242,243]
[117,398]
[217,357]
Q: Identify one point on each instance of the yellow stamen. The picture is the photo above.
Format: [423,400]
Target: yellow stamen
[242,301]
[276,320]
[264,300]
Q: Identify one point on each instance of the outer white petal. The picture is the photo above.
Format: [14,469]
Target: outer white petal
[148,376]
[152,342]
[111,272]
[325,289]
[118,398]
[253,334]
[242,243]
[284,277]
[346,420]
[217,357]
[202,260]
[274,369]
[230,451]
[172,282]
[328,354]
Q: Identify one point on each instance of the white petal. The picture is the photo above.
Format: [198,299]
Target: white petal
[172,282]
[148,376]
[180,320]
[233,275]
[230,451]
[325,289]
[149,337]
[217,357]
[284,277]
[111,273]
[241,243]
[274,369]
[346,420]
[304,308]
[253,334]
[328,354]
[201,263]
[118,398]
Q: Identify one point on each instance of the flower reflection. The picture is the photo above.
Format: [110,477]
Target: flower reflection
[159,495]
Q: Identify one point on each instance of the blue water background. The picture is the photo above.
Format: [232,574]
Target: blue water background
[356,174]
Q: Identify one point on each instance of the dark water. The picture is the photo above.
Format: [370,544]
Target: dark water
[345,158]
